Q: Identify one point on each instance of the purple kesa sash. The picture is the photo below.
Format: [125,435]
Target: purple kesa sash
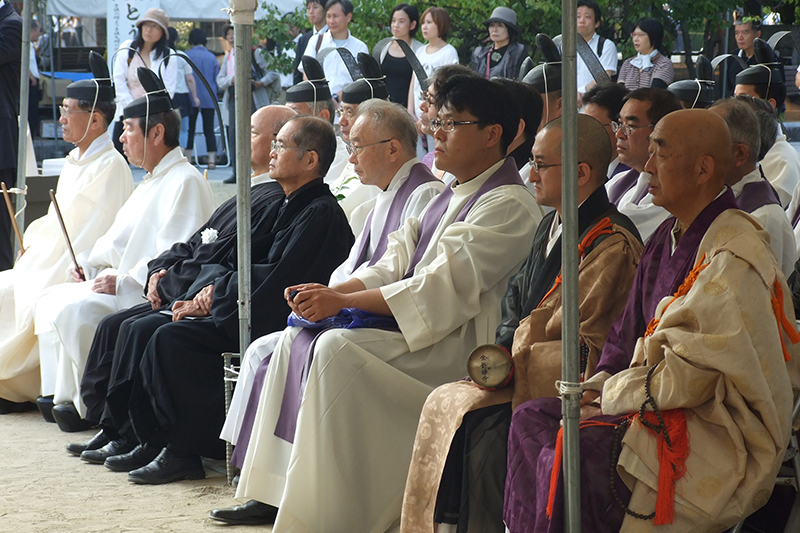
[507,174]
[623,185]
[796,217]
[249,417]
[756,194]
[419,175]
[301,355]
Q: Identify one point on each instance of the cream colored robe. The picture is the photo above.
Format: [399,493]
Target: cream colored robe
[347,466]
[605,277]
[719,357]
[167,207]
[90,192]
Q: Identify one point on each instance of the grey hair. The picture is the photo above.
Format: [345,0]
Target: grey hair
[392,119]
[318,106]
[743,124]
[767,119]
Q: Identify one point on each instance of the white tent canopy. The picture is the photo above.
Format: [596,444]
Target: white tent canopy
[176,9]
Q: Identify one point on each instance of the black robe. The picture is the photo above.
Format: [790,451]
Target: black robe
[175,368]
[473,480]
[182,262]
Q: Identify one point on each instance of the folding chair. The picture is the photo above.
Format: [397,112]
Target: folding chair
[231,376]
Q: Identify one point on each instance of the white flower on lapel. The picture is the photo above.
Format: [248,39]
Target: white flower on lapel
[209,235]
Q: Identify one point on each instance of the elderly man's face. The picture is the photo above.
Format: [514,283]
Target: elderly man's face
[673,168]
[632,149]
[133,141]
[261,137]
[346,119]
[369,152]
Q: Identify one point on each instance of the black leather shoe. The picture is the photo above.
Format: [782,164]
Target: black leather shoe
[140,456]
[167,468]
[230,179]
[68,419]
[252,513]
[45,405]
[7,406]
[115,447]
[95,443]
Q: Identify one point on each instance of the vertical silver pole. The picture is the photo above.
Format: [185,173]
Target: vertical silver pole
[570,358]
[242,43]
[24,90]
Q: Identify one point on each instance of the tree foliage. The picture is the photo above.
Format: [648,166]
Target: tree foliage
[371,19]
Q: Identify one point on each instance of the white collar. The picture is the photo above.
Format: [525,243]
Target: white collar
[2,3]
[750,177]
[401,173]
[259,179]
[96,145]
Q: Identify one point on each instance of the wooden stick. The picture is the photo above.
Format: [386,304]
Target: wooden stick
[13,217]
[66,235]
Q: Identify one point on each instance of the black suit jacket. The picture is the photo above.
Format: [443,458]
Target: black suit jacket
[10,61]
[301,49]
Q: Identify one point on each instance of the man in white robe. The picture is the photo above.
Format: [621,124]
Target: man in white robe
[441,279]
[94,184]
[167,207]
[387,167]
[643,108]
[753,192]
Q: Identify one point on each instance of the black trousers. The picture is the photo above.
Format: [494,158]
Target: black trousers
[9,177]
[177,391]
[208,128]
[97,375]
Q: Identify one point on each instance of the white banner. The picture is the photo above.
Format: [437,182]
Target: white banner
[176,9]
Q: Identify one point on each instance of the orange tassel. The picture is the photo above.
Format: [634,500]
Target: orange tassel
[780,316]
[554,473]
[671,460]
[557,458]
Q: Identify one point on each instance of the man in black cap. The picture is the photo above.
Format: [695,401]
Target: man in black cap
[168,206]
[94,184]
[699,92]
[765,80]
[10,61]
[313,97]
[546,78]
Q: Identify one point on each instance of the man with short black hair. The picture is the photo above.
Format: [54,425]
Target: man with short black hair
[167,207]
[175,402]
[315,12]
[338,15]
[640,113]
[603,103]
[589,18]
[94,184]
[435,293]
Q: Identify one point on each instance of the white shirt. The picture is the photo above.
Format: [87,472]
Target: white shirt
[34,67]
[446,55]
[774,220]
[608,60]
[645,215]
[781,167]
[335,70]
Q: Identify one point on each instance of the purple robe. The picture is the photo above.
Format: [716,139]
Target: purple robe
[623,185]
[660,273]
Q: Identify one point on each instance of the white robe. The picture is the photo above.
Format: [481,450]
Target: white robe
[91,189]
[773,219]
[263,346]
[781,167]
[347,467]
[645,215]
[167,207]
[794,205]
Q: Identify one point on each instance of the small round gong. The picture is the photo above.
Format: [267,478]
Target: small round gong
[490,366]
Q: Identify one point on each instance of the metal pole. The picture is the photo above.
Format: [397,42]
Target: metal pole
[53,39]
[24,90]
[570,393]
[242,16]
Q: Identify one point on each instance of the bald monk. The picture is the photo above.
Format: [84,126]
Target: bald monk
[715,362]
[530,329]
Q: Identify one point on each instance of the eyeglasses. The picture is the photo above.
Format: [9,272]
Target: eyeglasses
[349,113]
[448,124]
[278,147]
[353,149]
[65,111]
[627,129]
[538,167]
